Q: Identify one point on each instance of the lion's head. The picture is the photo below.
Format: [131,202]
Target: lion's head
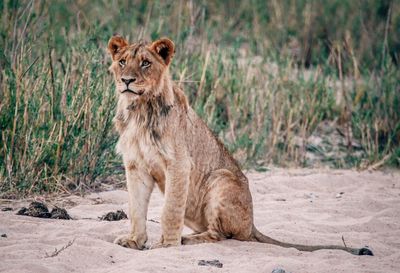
[139,68]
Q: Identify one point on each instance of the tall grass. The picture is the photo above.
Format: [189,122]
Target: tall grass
[265,76]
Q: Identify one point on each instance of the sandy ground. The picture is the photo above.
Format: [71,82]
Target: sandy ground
[302,206]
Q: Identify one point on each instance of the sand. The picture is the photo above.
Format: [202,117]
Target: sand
[302,206]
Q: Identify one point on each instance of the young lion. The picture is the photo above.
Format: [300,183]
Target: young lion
[163,141]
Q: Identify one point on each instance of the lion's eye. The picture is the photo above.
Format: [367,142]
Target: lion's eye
[145,63]
[122,63]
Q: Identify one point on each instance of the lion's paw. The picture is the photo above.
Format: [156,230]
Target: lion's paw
[163,243]
[128,242]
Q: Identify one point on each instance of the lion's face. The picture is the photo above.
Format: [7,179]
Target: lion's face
[139,67]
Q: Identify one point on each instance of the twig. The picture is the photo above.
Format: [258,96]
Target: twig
[58,251]
[378,164]
[53,88]
[23,74]
[344,241]
[203,74]
[385,42]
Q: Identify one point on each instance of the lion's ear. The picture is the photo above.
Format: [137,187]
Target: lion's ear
[115,44]
[165,48]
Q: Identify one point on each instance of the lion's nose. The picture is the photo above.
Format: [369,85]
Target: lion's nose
[127,81]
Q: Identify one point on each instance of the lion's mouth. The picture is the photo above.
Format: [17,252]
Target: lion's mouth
[139,92]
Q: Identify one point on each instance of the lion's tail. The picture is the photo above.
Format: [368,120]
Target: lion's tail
[257,236]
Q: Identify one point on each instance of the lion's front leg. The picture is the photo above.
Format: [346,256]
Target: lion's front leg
[140,186]
[176,192]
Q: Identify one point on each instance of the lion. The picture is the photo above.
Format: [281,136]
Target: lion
[163,142]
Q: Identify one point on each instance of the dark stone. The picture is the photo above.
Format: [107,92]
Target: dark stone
[6,209]
[40,210]
[215,263]
[22,211]
[114,216]
[60,213]
[35,209]
[365,251]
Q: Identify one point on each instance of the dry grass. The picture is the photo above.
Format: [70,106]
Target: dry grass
[266,77]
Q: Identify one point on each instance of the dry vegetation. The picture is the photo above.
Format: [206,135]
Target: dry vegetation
[294,83]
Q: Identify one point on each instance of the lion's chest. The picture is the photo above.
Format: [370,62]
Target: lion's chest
[136,147]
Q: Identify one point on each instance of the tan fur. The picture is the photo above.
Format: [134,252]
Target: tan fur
[162,141]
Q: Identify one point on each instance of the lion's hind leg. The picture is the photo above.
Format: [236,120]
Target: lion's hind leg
[228,210]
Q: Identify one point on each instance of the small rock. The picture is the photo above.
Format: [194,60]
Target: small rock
[35,209]
[280,199]
[365,251]
[6,209]
[114,216]
[22,211]
[4,235]
[60,213]
[40,210]
[215,263]
[339,195]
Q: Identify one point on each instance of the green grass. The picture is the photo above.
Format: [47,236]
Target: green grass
[265,76]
